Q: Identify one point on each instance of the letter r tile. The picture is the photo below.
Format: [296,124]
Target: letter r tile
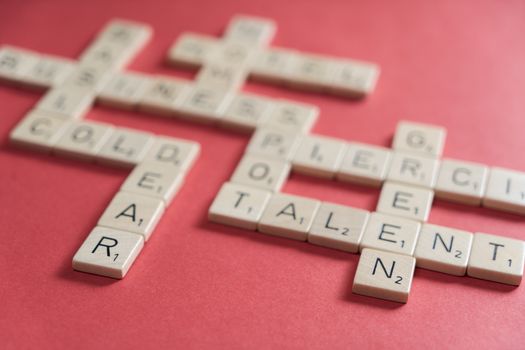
[108,252]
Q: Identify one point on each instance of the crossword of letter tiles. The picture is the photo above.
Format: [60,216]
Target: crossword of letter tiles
[392,240]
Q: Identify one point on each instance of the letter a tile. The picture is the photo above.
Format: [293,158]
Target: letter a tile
[133,213]
[288,216]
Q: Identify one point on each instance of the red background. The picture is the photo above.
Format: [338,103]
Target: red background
[196,284]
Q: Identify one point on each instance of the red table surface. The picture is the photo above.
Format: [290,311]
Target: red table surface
[459,64]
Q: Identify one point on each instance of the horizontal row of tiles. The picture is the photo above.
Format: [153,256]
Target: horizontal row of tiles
[104,143]
[203,103]
[292,68]
[271,154]
[349,229]
[114,47]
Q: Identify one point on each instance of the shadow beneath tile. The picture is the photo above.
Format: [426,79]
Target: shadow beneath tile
[66,272]
[348,296]
[466,281]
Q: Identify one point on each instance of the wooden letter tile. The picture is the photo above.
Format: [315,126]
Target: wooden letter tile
[108,252]
[125,148]
[222,76]
[497,258]
[15,63]
[462,182]
[239,206]
[246,112]
[155,180]
[133,213]
[413,169]
[391,233]
[273,143]
[353,79]
[319,156]
[49,71]
[68,102]
[364,164]
[177,153]
[250,30]
[288,216]
[339,227]
[83,140]
[505,191]
[123,90]
[384,275]
[191,50]
[443,249]
[38,131]
[265,173]
[293,116]
[273,65]
[311,73]
[204,104]
[405,201]
[164,96]
[422,139]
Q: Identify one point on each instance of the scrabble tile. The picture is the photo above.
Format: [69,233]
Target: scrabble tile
[105,53]
[108,252]
[318,156]
[174,152]
[339,227]
[384,275]
[391,233]
[15,63]
[250,30]
[505,190]
[353,79]
[273,143]
[239,206]
[48,71]
[461,181]
[125,148]
[265,173]
[288,216]
[154,179]
[273,65]
[222,76]
[204,104]
[232,53]
[90,76]
[130,34]
[83,140]
[311,73]
[191,50]
[413,170]
[164,96]
[133,213]
[364,164]
[443,249]
[123,90]
[497,258]
[293,116]
[422,139]
[38,131]
[246,112]
[405,201]
[68,102]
